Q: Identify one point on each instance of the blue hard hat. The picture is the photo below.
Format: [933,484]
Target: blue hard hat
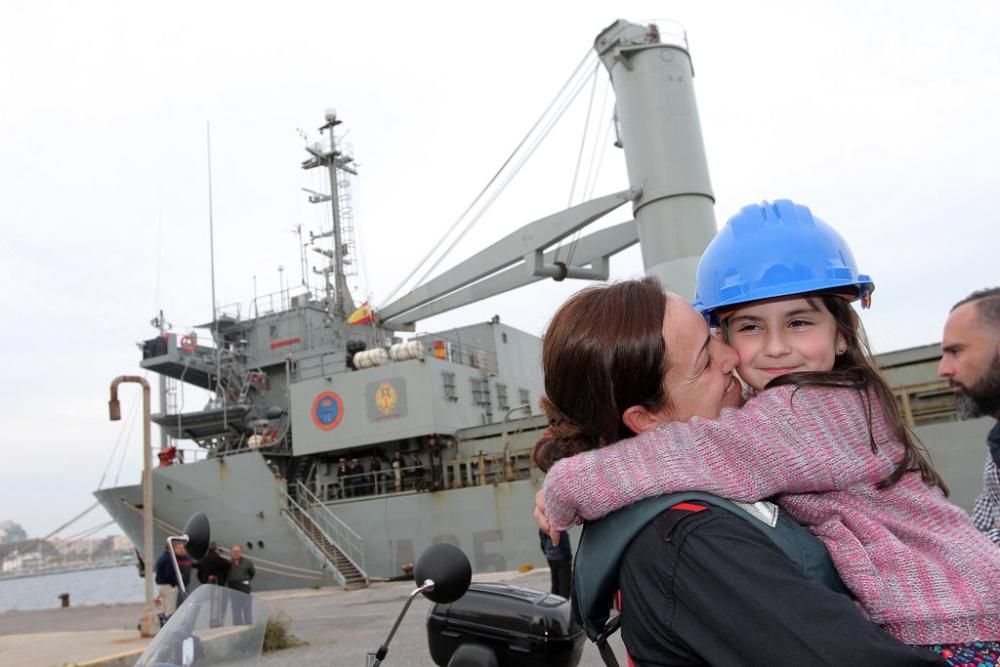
[773,250]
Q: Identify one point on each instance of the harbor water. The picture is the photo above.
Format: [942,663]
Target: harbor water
[110,585]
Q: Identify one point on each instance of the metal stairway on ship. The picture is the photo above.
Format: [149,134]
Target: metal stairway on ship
[339,549]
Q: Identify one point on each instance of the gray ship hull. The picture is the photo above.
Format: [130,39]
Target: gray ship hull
[243,501]
[958,451]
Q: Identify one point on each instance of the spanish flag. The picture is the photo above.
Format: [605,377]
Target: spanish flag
[363,315]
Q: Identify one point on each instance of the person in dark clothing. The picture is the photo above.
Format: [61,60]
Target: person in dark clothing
[417,472]
[343,470]
[434,454]
[166,583]
[213,568]
[560,558]
[184,564]
[357,478]
[707,587]
[377,483]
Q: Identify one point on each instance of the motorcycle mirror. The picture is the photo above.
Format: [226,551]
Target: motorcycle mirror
[198,534]
[448,568]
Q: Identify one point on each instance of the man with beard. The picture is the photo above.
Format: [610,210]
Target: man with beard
[970,360]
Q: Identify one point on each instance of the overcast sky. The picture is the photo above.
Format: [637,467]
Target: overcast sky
[878,115]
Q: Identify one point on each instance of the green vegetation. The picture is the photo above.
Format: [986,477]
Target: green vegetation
[277,636]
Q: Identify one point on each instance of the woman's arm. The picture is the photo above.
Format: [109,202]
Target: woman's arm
[817,441]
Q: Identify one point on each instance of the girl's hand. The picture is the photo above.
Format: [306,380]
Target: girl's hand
[540,518]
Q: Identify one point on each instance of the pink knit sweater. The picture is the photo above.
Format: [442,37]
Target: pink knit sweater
[916,563]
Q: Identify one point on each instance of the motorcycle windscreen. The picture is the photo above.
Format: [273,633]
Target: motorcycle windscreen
[215,626]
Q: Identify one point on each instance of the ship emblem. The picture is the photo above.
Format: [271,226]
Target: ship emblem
[386,398]
[327,410]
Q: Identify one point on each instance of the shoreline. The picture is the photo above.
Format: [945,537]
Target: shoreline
[7,576]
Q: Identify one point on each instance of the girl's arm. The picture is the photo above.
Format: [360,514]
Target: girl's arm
[817,441]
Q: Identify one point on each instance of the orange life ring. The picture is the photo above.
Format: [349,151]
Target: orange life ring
[188,343]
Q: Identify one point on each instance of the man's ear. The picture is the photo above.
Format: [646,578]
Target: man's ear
[639,419]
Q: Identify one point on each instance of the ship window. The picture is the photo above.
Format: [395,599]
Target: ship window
[503,337]
[502,397]
[274,331]
[449,386]
[525,397]
[249,546]
[481,391]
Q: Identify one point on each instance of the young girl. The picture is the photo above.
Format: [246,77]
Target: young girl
[822,433]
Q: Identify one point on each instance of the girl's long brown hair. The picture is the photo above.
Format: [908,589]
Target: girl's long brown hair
[602,353]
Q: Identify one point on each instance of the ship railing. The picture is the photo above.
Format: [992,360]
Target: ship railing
[488,468]
[318,365]
[926,403]
[377,483]
[190,455]
[267,304]
[477,470]
[442,347]
[332,527]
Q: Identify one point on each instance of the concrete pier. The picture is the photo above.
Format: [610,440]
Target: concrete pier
[339,626]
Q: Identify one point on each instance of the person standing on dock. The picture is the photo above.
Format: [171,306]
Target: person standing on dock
[241,573]
[970,361]
[214,569]
[560,559]
[184,564]
[166,582]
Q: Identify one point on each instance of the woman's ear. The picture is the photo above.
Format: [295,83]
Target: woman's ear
[639,419]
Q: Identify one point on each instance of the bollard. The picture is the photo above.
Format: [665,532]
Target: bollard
[64,598]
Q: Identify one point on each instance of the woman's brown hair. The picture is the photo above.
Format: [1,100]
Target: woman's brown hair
[856,369]
[602,353]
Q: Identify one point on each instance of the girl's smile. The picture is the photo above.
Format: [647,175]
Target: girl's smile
[781,336]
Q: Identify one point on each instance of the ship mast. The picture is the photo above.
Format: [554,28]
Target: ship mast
[333,160]
[657,119]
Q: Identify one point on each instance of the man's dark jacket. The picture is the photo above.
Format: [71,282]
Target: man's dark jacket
[213,565]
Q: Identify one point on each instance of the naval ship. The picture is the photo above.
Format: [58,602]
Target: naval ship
[338,444]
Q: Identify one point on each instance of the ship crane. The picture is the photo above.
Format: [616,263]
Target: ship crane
[669,188]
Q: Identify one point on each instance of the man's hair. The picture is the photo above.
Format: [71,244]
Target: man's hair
[987,302]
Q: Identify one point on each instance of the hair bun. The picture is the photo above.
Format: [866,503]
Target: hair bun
[562,438]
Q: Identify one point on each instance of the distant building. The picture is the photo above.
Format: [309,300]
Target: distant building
[123,544]
[11,532]
[17,561]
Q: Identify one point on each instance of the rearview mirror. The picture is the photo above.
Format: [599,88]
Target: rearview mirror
[448,568]
[198,535]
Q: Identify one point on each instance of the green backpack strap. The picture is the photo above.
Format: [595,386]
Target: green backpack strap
[603,544]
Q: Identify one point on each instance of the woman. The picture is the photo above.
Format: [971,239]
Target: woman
[699,586]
